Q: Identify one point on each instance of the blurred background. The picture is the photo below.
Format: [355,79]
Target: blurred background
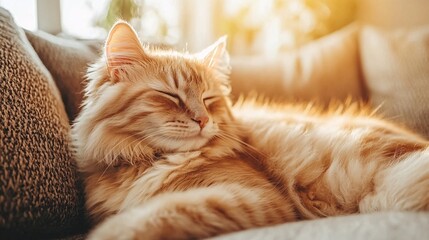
[322,51]
[254,27]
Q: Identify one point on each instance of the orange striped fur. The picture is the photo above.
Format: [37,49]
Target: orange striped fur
[164,155]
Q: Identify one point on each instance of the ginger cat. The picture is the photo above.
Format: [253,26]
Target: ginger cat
[165,156]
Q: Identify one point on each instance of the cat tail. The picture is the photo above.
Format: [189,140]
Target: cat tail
[402,186]
[198,213]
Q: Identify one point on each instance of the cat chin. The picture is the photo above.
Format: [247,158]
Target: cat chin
[184,144]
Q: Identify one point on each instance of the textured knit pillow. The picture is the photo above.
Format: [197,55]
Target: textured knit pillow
[39,193]
[326,69]
[396,68]
[67,60]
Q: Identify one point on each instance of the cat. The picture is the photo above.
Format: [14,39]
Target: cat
[165,155]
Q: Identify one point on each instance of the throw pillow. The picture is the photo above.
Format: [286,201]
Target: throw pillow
[326,69]
[67,60]
[39,189]
[396,68]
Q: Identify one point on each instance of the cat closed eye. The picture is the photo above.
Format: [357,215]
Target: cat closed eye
[172,96]
[209,100]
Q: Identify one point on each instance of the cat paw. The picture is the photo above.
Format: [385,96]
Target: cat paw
[121,227]
[114,228]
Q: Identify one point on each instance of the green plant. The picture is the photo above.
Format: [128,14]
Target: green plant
[120,9]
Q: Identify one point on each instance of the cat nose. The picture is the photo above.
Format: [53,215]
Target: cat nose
[201,120]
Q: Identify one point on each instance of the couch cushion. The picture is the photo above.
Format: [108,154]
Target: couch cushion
[376,226]
[39,194]
[391,14]
[323,70]
[396,70]
[67,60]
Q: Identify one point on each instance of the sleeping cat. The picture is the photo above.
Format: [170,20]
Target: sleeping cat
[165,156]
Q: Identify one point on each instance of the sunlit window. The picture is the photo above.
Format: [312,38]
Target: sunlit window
[154,20]
[254,27]
[272,26]
[78,18]
[24,12]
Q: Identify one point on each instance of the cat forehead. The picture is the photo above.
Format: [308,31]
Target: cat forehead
[185,74]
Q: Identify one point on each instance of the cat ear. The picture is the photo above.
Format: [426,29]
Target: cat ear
[122,48]
[216,56]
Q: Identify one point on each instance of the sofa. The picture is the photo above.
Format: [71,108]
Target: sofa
[42,77]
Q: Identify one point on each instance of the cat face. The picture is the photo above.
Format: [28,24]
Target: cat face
[168,100]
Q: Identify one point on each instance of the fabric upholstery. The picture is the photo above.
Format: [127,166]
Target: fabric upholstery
[67,60]
[39,191]
[375,226]
[393,14]
[326,69]
[396,68]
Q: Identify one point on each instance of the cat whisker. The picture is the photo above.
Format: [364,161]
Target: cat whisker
[228,135]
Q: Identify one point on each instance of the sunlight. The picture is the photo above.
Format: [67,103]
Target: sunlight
[254,27]
[78,18]
[271,26]
[24,12]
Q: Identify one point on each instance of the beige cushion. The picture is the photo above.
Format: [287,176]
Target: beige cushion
[396,68]
[376,226]
[39,194]
[391,14]
[67,60]
[326,69]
